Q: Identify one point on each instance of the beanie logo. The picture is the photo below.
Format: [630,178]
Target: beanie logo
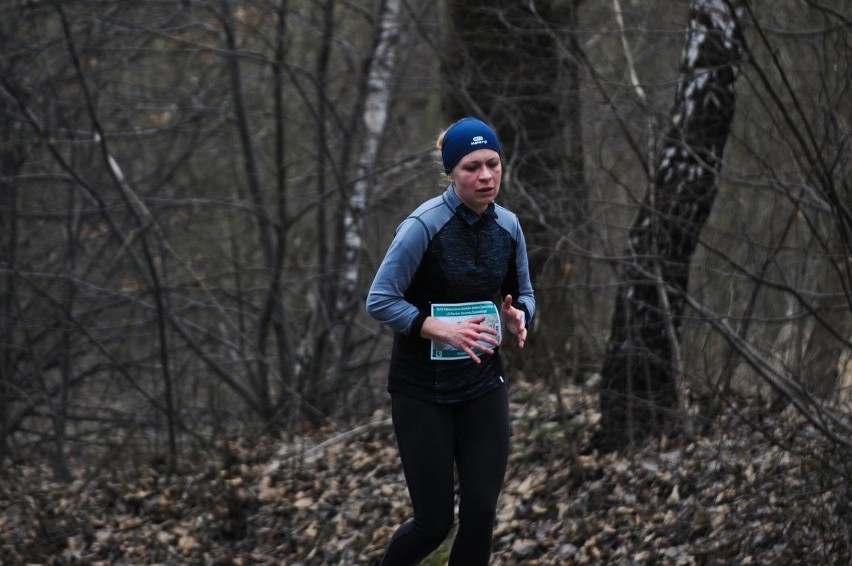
[478,140]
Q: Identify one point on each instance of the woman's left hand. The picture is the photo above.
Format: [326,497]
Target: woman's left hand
[514,320]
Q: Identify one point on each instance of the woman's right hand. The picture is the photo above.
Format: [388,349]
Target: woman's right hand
[465,335]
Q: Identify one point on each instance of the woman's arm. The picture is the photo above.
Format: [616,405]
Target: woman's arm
[386,300]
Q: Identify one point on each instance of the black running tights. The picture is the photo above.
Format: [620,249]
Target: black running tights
[432,437]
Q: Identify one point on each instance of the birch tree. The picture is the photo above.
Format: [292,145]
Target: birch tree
[642,367]
[785,317]
[376,113]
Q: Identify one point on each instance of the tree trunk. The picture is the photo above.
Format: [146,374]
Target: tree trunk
[376,111]
[273,309]
[640,374]
[506,66]
[11,160]
[265,232]
[316,345]
[510,64]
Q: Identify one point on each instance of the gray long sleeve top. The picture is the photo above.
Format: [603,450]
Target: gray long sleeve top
[445,253]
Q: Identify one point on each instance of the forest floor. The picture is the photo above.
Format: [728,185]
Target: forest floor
[753,488]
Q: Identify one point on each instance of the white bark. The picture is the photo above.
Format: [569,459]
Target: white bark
[376,110]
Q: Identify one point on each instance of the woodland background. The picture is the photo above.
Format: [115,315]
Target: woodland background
[194,196]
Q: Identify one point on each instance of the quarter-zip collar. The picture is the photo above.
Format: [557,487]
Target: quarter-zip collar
[469,216]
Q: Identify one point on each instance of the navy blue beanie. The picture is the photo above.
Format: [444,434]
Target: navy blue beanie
[466,135]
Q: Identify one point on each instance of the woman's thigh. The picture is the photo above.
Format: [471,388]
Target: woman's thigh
[482,448]
[425,434]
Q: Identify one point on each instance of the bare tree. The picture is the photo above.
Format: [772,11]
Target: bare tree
[113,260]
[642,369]
[785,322]
[11,161]
[168,276]
[377,108]
[519,66]
[192,194]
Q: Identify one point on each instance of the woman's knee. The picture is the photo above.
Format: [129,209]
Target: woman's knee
[436,527]
[478,511]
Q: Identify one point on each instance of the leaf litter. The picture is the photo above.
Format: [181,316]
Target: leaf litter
[754,488]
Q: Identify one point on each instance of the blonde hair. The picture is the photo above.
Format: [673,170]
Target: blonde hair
[439,143]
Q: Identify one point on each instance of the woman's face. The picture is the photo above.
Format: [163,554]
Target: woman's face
[476,179]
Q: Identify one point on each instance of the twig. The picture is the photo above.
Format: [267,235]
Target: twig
[325,443]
